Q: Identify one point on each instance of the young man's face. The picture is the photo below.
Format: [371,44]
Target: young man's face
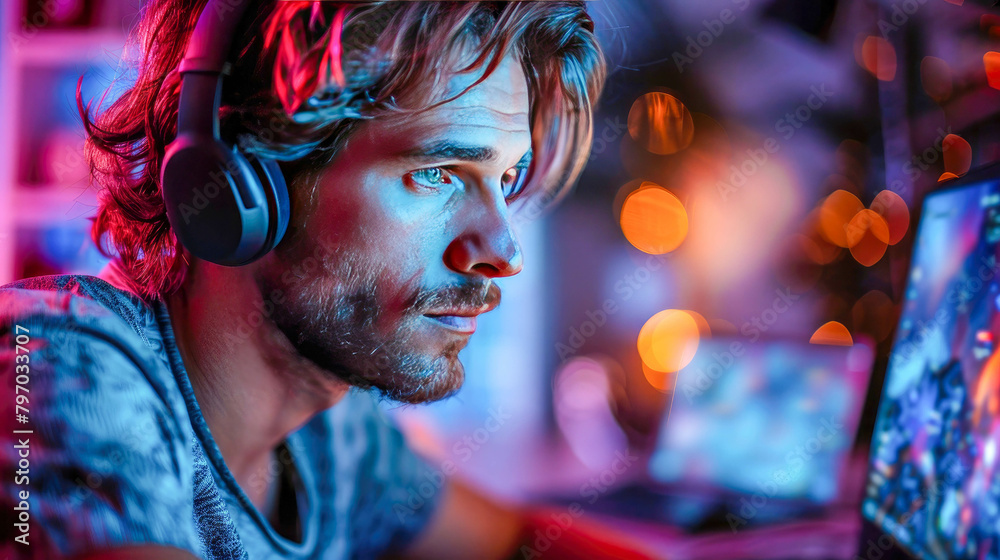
[391,262]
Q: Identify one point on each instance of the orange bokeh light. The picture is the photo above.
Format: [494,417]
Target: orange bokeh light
[710,138]
[893,210]
[874,314]
[817,250]
[704,329]
[660,123]
[624,191]
[991,61]
[722,326]
[957,154]
[669,340]
[660,380]
[814,244]
[835,214]
[832,334]
[868,237]
[990,23]
[936,77]
[654,220]
[879,58]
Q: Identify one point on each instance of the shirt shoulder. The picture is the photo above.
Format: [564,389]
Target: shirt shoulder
[86,300]
[110,443]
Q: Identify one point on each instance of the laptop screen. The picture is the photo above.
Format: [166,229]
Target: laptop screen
[933,481]
[769,417]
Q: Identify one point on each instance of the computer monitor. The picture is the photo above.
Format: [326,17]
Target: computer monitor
[773,417]
[933,481]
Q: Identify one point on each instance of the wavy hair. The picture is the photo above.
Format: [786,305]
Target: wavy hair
[305,74]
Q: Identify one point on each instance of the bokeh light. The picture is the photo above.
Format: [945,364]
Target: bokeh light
[868,237]
[704,328]
[893,210]
[654,220]
[936,77]
[832,334]
[851,160]
[722,327]
[660,123]
[957,154]
[710,137]
[624,191]
[879,57]
[990,23]
[584,410]
[668,341]
[874,313]
[813,242]
[796,268]
[817,250]
[840,182]
[660,380]
[991,61]
[836,213]
[581,384]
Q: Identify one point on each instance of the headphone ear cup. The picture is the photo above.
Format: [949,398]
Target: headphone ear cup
[272,182]
[214,201]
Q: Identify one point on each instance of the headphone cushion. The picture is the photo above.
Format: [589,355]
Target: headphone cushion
[272,181]
[214,201]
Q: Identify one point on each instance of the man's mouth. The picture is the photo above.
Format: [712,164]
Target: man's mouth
[458,323]
[462,318]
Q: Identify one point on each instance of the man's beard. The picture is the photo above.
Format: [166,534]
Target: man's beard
[332,316]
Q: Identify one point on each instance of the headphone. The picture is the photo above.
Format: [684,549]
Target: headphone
[224,206]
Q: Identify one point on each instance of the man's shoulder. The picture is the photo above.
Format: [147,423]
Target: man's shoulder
[85,332]
[76,302]
[111,442]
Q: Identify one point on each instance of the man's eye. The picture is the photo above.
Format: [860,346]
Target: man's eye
[431,178]
[513,182]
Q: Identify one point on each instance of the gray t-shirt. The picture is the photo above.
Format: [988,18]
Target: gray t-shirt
[119,453]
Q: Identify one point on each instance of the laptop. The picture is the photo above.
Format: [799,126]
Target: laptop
[757,433]
[933,485]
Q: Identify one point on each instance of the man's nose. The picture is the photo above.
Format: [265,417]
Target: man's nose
[486,243]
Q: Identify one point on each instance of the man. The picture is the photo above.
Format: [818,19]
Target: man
[181,408]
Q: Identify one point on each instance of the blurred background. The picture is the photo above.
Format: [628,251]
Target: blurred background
[756,172]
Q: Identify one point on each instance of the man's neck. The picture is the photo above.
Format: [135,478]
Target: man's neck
[253,388]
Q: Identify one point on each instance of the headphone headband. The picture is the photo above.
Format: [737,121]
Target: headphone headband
[205,62]
[213,37]
[224,206]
